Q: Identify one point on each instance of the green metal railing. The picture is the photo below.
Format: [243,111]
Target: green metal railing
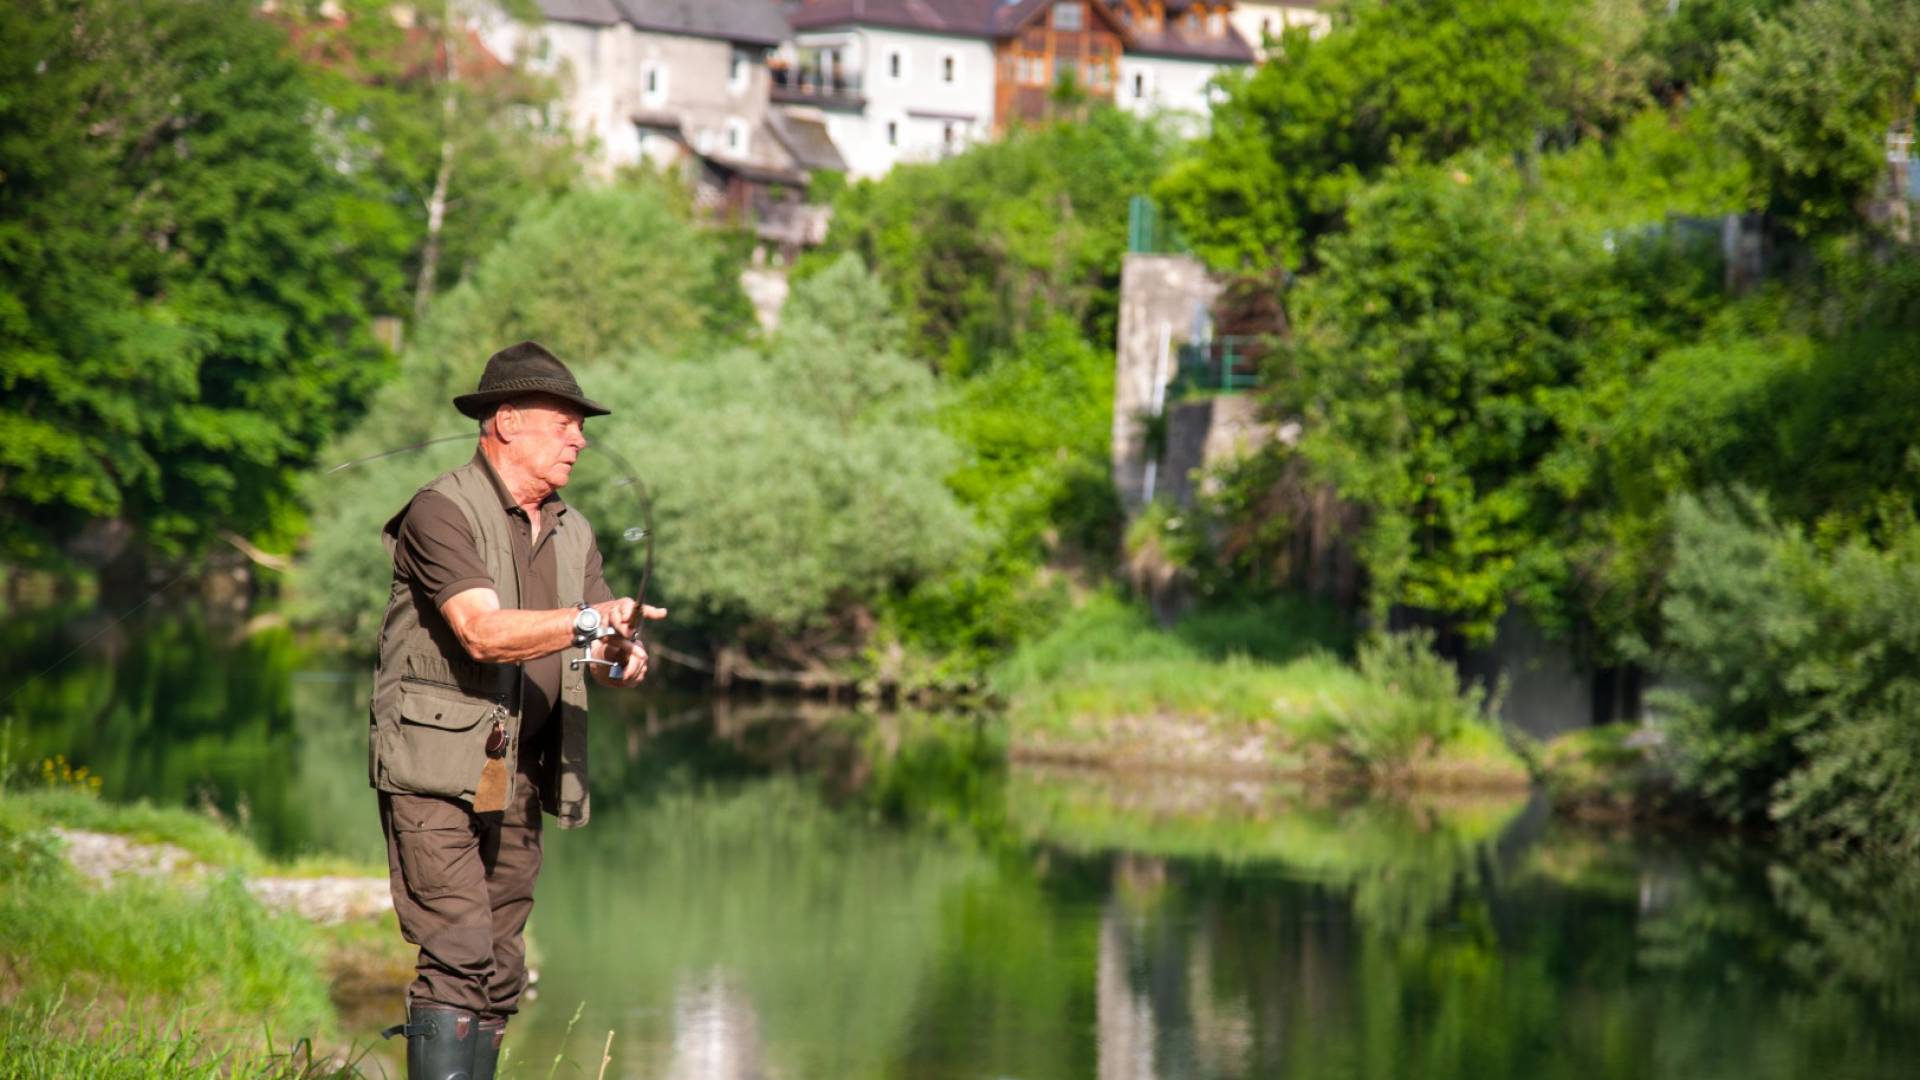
[1225,365]
[1148,230]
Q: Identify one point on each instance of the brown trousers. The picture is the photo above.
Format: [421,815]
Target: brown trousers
[463,888]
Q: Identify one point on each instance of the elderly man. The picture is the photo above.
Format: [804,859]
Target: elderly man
[478,722]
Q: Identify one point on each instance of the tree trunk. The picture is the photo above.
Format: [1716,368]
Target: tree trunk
[443,176]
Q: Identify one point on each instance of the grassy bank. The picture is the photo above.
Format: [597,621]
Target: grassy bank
[181,975]
[1250,690]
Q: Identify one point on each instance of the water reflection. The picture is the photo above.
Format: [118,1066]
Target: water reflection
[776,891]
[716,1034]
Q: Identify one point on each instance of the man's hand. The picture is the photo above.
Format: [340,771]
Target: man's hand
[624,615]
[619,614]
[629,654]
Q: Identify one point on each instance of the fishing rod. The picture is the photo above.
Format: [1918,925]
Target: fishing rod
[633,534]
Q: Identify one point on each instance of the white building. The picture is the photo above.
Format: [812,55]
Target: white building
[912,80]
[888,93]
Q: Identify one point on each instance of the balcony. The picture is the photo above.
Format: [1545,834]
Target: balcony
[810,86]
[1224,365]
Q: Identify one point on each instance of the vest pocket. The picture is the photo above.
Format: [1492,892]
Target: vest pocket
[441,740]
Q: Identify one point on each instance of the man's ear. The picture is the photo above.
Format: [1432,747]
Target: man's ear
[506,423]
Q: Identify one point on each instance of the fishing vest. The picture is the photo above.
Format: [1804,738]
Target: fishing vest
[434,706]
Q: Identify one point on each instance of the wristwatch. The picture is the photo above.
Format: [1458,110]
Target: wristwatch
[586,626]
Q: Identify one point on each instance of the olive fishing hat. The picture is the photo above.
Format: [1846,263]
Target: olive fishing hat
[519,370]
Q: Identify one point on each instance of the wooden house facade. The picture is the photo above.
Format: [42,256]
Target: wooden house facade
[1058,51]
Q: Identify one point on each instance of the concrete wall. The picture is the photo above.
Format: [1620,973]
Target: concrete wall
[1159,297]
[930,115]
[1203,432]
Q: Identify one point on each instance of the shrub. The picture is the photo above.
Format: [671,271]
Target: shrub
[1793,673]
[792,485]
[1417,706]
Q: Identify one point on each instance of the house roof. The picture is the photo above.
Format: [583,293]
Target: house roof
[762,174]
[971,18]
[1003,18]
[663,122]
[807,140]
[749,22]
[1173,40]
[590,12]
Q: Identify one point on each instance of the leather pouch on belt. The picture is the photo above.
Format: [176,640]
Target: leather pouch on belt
[490,796]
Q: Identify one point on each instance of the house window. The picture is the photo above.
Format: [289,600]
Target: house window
[737,136]
[1069,16]
[655,83]
[896,64]
[893,133]
[1191,23]
[946,137]
[949,68]
[739,72]
[1217,25]
[1139,86]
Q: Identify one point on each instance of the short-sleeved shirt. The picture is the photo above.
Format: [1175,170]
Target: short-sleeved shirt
[438,555]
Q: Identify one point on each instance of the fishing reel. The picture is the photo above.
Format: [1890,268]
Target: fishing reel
[587,629]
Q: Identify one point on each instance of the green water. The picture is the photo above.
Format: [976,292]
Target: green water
[772,891]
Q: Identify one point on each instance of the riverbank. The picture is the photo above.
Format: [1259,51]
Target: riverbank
[158,943]
[1254,694]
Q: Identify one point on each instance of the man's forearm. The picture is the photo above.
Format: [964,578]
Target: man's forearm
[512,635]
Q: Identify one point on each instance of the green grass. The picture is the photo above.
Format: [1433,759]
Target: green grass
[211,842]
[1396,712]
[122,1043]
[149,977]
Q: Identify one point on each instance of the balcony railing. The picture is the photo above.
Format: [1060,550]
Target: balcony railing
[1224,365]
[806,85]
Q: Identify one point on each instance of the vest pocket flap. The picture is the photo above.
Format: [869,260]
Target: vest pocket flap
[443,711]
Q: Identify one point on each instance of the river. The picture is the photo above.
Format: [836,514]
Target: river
[785,891]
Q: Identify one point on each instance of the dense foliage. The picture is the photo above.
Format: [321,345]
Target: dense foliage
[1405,82]
[181,326]
[1530,338]
[985,248]
[204,208]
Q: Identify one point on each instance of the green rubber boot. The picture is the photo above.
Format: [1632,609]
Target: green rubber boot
[441,1041]
[486,1053]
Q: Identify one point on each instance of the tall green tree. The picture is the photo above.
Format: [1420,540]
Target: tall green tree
[446,140]
[1404,81]
[1449,357]
[181,320]
[1811,100]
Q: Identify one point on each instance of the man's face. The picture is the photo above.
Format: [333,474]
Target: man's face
[546,438]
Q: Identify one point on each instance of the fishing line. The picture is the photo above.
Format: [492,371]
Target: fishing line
[632,535]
